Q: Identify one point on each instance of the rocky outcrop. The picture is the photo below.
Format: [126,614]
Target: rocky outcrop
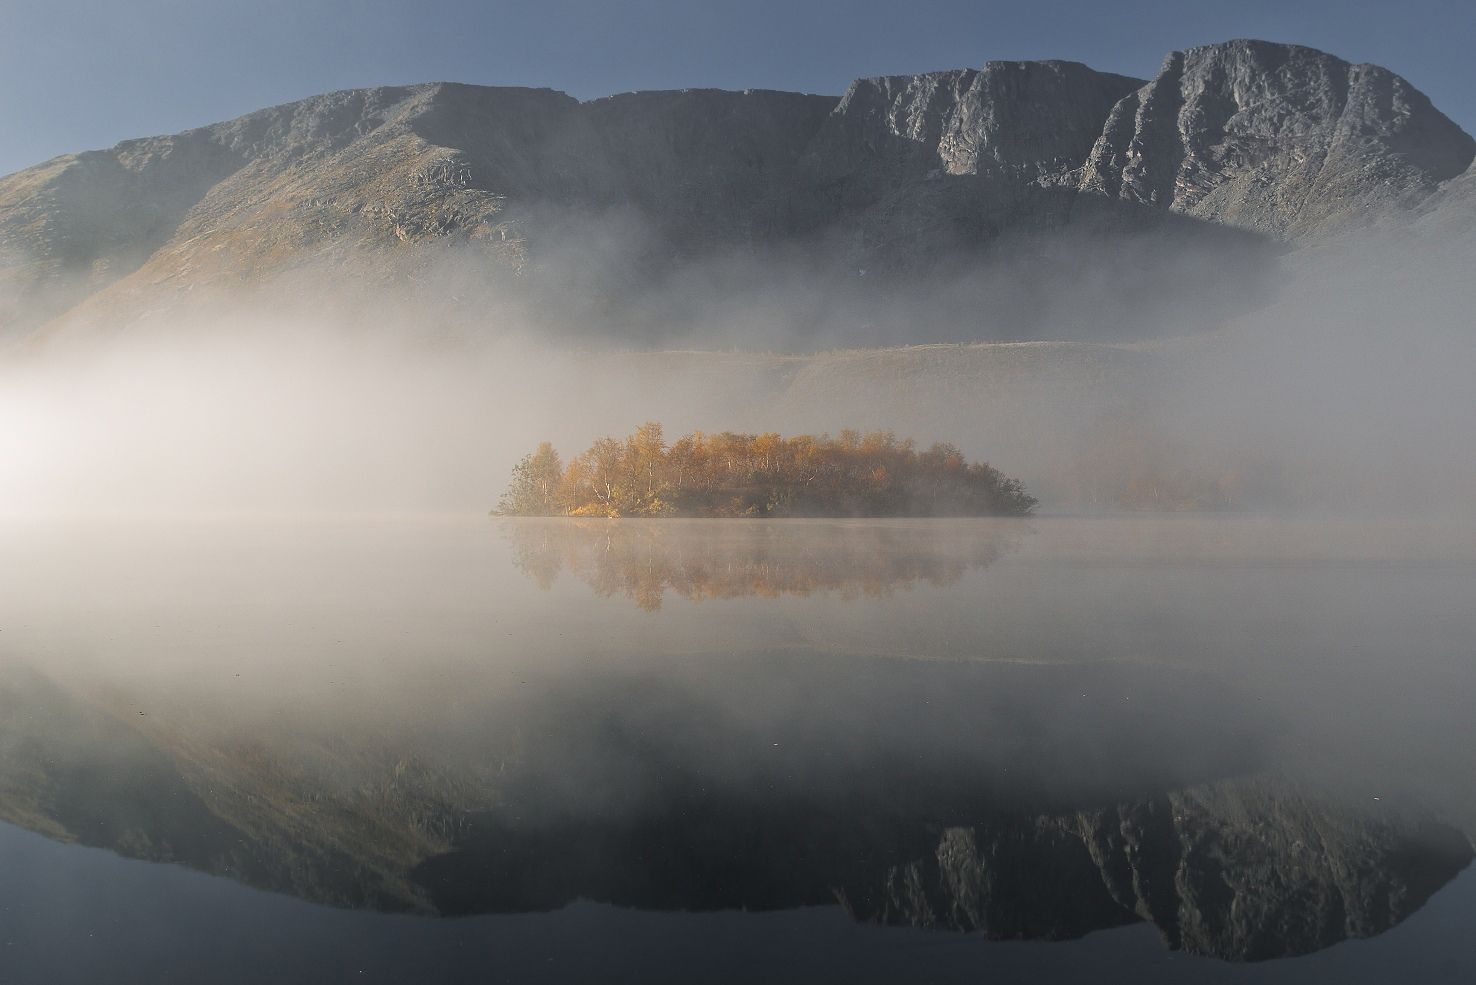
[1276,138]
[920,172]
[1032,120]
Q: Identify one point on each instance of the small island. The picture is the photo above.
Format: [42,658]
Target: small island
[760,475]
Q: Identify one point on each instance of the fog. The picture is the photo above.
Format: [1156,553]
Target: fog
[1048,664]
[257,623]
[1339,381]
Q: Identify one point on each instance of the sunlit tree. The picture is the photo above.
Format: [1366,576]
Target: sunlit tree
[536,485]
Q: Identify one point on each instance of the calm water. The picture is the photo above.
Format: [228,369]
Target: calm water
[1152,749]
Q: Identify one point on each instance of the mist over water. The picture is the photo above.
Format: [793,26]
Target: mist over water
[1344,387]
[472,716]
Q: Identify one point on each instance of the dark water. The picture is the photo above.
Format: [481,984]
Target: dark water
[1118,749]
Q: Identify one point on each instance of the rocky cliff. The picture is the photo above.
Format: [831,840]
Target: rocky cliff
[1277,138]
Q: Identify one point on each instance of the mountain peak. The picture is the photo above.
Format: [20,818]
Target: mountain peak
[1278,138]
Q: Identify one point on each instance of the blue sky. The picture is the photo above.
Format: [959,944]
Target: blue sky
[78,74]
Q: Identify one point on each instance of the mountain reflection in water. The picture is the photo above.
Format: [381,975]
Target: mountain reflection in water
[436,734]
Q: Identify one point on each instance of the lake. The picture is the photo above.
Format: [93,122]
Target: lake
[1148,748]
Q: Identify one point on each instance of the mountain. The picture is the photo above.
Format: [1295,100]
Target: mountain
[947,206]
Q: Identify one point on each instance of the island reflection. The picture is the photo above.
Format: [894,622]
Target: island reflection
[697,560]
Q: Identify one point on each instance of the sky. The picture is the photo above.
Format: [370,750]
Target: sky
[82,74]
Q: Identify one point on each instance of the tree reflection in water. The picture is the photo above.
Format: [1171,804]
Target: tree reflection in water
[705,559]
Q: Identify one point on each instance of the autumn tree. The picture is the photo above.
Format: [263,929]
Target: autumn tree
[536,485]
[596,480]
[646,467]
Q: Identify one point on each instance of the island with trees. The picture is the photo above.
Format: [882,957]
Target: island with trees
[760,475]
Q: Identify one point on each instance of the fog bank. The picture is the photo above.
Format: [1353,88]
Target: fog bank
[1346,389]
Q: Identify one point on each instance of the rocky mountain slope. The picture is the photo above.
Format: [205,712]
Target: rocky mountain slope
[969,192]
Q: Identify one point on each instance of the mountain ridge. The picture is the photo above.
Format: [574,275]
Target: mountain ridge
[588,204]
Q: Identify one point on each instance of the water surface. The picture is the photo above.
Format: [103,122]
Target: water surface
[1228,748]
